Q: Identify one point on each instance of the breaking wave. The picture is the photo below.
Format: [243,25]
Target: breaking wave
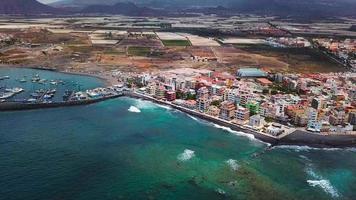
[233,164]
[134,109]
[325,185]
[307,148]
[145,104]
[186,155]
[250,136]
[318,180]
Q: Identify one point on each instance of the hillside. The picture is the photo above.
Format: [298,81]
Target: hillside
[25,7]
[129,9]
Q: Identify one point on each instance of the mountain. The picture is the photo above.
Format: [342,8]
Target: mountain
[306,8]
[83,3]
[290,8]
[129,9]
[26,7]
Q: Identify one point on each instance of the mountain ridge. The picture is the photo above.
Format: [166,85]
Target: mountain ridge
[26,7]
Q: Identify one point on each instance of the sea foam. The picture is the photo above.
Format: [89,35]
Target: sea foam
[233,164]
[297,148]
[144,104]
[325,185]
[319,181]
[134,109]
[186,155]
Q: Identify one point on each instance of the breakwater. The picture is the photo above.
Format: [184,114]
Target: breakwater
[17,106]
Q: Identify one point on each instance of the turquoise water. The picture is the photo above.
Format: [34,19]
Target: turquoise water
[71,82]
[103,151]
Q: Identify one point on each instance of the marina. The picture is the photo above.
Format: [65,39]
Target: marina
[41,86]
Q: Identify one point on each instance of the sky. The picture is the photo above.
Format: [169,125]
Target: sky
[47,1]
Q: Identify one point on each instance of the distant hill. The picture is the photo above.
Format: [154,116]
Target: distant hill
[26,7]
[129,9]
[305,8]
[300,8]
[85,3]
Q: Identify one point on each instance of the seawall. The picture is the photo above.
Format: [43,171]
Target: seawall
[17,106]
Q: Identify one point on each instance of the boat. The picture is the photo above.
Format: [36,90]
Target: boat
[52,82]
[23,80]
[36,78]
[47,96]
[15,90]
[6,95]
[93,94]
[4,77]
[53,91]
[42,81]
[35,95]
[67,95]
[31,100]
[40,91]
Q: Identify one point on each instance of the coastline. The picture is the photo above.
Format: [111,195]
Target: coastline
[296,138]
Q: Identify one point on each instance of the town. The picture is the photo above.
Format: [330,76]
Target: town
[274,104]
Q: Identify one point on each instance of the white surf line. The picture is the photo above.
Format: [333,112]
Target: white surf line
[316,180]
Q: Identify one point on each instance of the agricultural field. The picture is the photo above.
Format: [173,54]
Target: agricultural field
[175,43]
[196,40]
[141,41]
[242,41]
[170,36]
[138,51]
[297,60]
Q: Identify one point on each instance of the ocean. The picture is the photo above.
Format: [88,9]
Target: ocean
[133,149]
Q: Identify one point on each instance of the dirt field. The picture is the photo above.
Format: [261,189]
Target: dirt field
[296,59]
[75,52]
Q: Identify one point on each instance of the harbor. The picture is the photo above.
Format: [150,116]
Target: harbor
[32,88]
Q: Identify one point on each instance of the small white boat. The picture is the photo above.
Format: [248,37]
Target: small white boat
[4,77]
[6,95]
[53,82]
[31,100]
[14,90]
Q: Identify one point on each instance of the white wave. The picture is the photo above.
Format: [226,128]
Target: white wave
[220,191]
[319,181]
[145,104]
[306,148]
[194,118]
[197,119]
[325,185]
[233,164]
[250,136]
[163,106]
[186,155]
[134,109]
